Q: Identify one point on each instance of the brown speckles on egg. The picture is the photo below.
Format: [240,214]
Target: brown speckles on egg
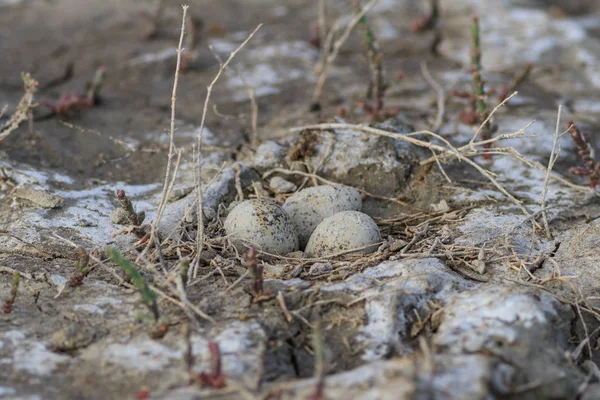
[343,231]
[262,224]
[311,206]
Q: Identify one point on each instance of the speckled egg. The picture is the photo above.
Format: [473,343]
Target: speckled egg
[262,224]
[309,207]
[344,231]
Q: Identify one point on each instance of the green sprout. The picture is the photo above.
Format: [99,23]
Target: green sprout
[147,295]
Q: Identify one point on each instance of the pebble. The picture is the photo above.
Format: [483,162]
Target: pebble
[320,268]
[42,198]
[280,185]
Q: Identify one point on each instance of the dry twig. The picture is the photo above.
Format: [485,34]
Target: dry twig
[165,192]
[551,161]
[23,108]
[200,230]
[460,155]
[329,59]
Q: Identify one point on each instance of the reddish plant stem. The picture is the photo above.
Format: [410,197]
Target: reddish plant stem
[8,303]
[517,81]
[215,379]
[590,168]
[256,270]
[83,259]
[374,103]
[429,21]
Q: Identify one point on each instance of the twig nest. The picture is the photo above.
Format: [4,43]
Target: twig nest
[346,230]
[263,225]
[309,207]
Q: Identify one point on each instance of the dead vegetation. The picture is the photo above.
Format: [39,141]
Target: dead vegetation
[171,271]
[23,110]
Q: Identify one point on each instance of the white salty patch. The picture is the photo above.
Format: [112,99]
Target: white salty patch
[141,354]
[5,391]
[37,359]
[501,313]
[89,308]
[31,356]
[269,66]
[164,54]
[240,346]
[401,288]
[6,3]
[88,210]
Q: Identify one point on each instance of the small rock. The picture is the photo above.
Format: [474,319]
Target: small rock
[442,206]
[180,193]
[296,254]
[208,213]
[119,216]
[42,198]
[379,165]
[262,224]
[478,266]
[398,245]
[280,185]
[343,231]
[309,207]
[233,205]
[320,268]
[274,271]
[221,190]
[72,337]
[269,155]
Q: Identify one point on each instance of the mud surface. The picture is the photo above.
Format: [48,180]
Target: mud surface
[464,299]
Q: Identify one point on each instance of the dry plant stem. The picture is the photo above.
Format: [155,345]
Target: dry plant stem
[186,304]
[322,26]
[254,124]
[25,275]
[237,281]
[81,129]
[327,45]
[158,12]
[200,229]
[319,351]
[188,355]
[324,258]
[254,142]
[486,121]
[517,81]
[130,286]
[441,98]
[553,157]
[284,308]
[376,89]
[427,145]
[95,85]
[23,108]
[330,58]
[164,194]
[429,21]
[479,99]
